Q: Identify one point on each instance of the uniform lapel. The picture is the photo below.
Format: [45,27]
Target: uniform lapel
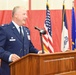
[25,34]
[16,32]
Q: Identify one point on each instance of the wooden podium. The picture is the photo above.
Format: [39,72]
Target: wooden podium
[45,64]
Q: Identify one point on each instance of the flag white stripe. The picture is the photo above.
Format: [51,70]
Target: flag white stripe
[64,40]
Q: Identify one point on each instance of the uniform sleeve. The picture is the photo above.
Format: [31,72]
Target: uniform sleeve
[32,48]
[4,54]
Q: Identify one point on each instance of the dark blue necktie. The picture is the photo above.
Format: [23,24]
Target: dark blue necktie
[21,34]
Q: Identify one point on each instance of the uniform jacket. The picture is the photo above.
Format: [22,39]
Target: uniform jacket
[11,42]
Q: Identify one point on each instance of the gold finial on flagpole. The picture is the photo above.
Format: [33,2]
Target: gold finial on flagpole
[73,3]
[63,1]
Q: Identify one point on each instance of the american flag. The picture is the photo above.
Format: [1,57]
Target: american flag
[47,38]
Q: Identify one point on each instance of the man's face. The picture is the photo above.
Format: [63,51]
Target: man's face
[21,16]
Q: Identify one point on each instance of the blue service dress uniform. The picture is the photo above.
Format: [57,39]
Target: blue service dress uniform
[11,42]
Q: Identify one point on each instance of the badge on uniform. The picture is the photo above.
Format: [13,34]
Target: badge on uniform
[12,39]
[28,36]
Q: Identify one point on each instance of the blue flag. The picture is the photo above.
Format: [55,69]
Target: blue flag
[73,30]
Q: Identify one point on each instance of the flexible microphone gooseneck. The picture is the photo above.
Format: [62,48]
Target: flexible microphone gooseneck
[42,31]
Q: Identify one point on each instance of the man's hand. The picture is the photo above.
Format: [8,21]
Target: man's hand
[40,52]
[14,57]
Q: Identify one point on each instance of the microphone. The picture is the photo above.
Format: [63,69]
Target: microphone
[37,28]
[42,31]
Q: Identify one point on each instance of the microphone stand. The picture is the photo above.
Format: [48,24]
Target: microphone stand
[42,31]
[41,43]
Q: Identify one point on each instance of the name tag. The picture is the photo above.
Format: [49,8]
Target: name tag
[12,39]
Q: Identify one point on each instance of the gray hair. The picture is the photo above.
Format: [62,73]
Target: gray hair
[14,10]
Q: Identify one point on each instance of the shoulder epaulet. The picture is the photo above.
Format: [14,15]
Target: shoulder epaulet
[4,25]
[26,27]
